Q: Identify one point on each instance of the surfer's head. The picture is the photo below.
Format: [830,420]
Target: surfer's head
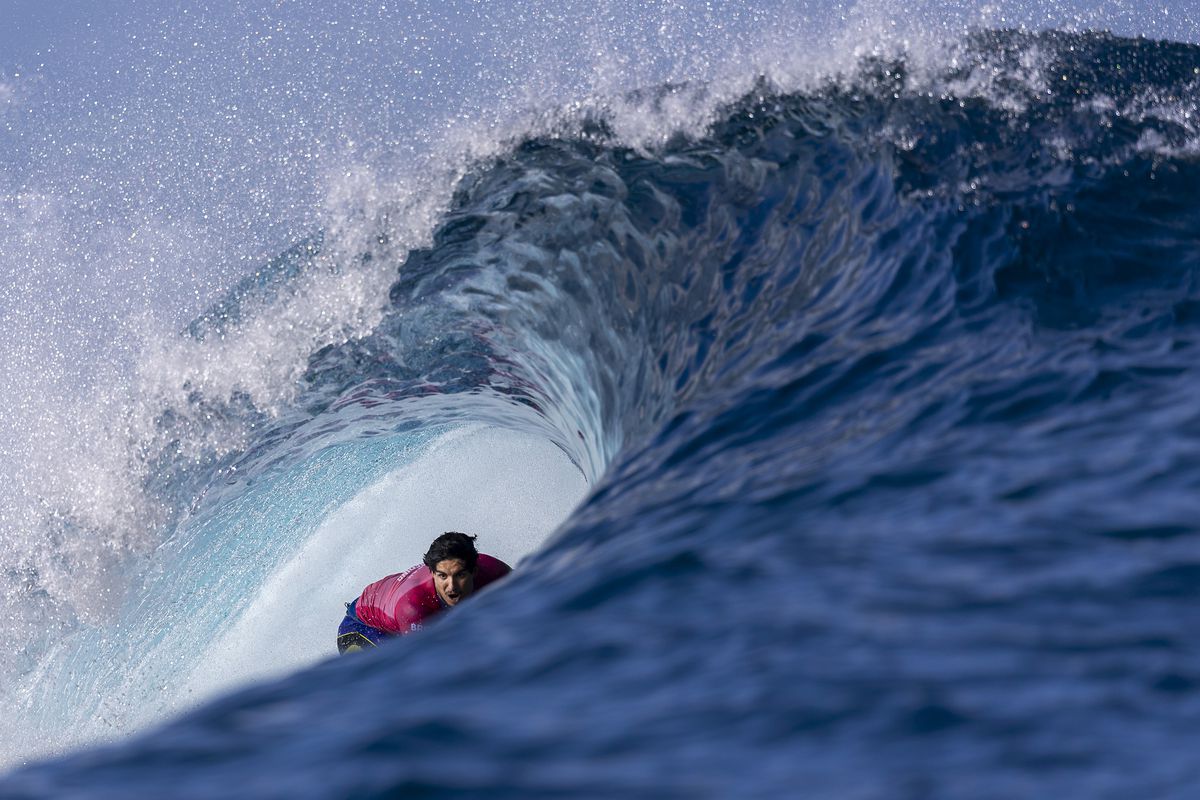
[452,559]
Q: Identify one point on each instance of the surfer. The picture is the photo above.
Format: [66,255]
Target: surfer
[451,571]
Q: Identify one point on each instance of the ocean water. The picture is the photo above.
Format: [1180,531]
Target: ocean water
[842,423]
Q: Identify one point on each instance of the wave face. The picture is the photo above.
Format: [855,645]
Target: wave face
[884,391]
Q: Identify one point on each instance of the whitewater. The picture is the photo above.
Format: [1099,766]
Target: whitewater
[827,372]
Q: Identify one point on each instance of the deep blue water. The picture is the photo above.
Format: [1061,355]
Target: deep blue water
[886,392]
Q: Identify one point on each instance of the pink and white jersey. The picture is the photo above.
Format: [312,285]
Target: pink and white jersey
[400,603]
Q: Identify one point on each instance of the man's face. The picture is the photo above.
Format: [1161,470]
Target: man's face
[453,580]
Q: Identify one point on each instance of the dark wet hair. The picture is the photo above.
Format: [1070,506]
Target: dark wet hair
[452,544]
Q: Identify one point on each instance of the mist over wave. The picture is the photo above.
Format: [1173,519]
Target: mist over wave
[878,372]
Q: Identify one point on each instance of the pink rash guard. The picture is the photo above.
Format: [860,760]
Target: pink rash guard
[400,603]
